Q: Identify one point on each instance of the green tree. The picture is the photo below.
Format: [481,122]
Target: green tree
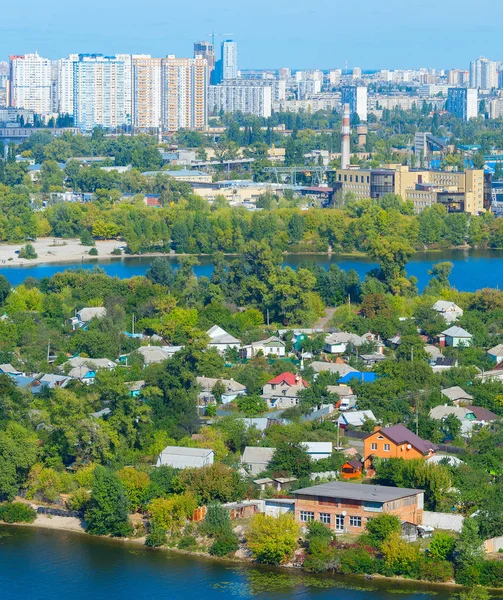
[18,453]
[272,540]
[291,458]
[468,548]
[382,527]
[107,513]
[441,546]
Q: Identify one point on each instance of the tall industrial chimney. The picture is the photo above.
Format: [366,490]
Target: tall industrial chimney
[346,137]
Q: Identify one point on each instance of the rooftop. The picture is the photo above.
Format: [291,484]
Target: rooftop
[354,491]
[183,451]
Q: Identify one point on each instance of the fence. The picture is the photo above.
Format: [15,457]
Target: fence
[357,435]
[58,512]
[447,521]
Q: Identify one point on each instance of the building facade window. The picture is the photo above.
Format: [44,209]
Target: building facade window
[306,516]
[339,522]
[373,446]
[386,447]
[355,521]
[325,518]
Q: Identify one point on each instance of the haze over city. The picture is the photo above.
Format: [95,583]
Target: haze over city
[393,34]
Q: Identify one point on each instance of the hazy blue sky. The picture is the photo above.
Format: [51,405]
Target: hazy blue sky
[270,33]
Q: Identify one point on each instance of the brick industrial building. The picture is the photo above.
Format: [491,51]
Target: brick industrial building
[346,507]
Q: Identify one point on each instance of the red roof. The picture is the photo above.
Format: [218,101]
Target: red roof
[152,202]
[288,378]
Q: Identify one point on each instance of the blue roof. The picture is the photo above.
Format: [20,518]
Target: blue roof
[363,377]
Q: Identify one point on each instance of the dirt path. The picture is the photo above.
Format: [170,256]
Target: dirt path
[324,321]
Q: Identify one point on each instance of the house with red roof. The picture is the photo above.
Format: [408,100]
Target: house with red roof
[283,390]
[395,442]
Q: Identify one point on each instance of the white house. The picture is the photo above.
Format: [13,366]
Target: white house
[233,389]
[318,450]
[496,353]
[355,418]
[86,314]
[337,343]
[221,340]
[456,337]
[449,311]
[255,460]
[338,367]
[85,369]
[157,354]
[180,457]
[272,346]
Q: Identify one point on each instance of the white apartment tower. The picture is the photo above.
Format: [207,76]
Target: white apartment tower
[63,85]
[146,92]
[229,59]
[99,92]
[483,74]
[30,83]
[184,93]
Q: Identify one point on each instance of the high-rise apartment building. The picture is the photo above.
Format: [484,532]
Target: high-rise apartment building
[30,83]
[463,103]
[229,58]
[99,84]
[184,85]
[207,51]
[128,85]
[146,92]
[241,96]
[63,84]
[357,98]
[483,74]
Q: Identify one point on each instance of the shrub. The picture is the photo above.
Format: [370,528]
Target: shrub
[116,252]
[156,536]
[317,529]
[272,540]
[79,499]
[399,556]
[187,542]
[381,527]
[469,574]
[441,546]
[28,252]
[93,252]
[17,512]
[491,573]
[224,544]
[436,570]
[357,560]
[86,238]
[216,521]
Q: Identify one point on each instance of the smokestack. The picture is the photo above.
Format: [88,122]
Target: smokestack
[362,131]
[346,137]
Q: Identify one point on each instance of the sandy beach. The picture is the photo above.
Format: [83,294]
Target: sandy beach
[51,250]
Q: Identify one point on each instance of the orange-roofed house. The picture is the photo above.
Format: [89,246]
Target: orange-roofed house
[395,442]
[283,391]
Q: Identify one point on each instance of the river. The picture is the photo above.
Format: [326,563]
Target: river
[45,565]
[473,269]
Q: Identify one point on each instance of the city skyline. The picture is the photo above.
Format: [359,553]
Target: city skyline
[322,36]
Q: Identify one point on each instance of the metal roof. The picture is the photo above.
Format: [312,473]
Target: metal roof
[354,491]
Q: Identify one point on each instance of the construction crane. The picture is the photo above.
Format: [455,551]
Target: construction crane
[213,35]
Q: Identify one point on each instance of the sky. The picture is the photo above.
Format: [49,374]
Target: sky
[300,34]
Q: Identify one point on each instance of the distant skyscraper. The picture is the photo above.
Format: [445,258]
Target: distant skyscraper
[284,73]
[63,88]
[229,59]
[207,51]
[146,92]
[357,99]
[483,74]
[184,93]
[30,83]
[346,137]
[98,92]
[462,103]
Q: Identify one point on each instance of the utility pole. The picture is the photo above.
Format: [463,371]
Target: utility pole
[48,350]
[417,417]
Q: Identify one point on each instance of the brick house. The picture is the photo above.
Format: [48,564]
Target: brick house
[346,507]
[395,442]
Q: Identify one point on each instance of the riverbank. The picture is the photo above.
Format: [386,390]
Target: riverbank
[65,251]
[74,525]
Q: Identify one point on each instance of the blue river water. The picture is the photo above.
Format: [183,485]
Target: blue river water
[45,565]
[473,269]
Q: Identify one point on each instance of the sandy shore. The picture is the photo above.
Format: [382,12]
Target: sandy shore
[51,250]
[53,522]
